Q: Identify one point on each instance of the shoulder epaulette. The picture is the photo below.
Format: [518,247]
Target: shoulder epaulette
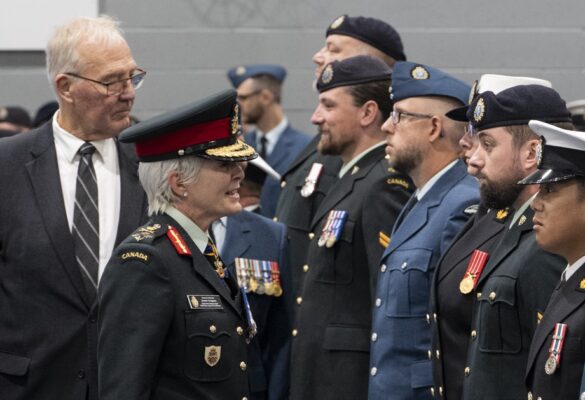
[147,233]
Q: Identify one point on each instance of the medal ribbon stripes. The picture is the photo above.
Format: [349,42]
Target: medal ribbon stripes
[258,276]
[556,347]
[311,180]
[474,268]
[333,228]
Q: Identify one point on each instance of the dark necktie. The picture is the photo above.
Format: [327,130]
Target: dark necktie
[263,147]
[86,226]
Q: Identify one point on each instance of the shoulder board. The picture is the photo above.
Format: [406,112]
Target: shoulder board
[177,241]
[147,233]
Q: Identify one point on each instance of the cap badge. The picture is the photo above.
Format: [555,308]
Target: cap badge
[539,151]
[327,74]
[479,111]
[419,72]
[236,120]
[3,113]
[241,70]
[474,91]
[335,24]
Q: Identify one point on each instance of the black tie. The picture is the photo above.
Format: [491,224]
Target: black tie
[86,226]
[263,147]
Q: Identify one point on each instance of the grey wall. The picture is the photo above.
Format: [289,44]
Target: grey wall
[187,45]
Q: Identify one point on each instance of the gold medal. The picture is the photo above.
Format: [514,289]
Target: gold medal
[322,240]
[330,241]
[269,288]
[466,284]
[551,365]
[261,288]
[308,189]
[277,290]
[253,285]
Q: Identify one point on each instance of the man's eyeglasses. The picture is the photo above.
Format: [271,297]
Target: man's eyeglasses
[244,97]
[117,87]
[395,116]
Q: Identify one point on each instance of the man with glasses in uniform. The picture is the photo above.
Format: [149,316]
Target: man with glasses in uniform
[70,193]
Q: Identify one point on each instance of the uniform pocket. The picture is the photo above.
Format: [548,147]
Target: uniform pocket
[347,338]
[13,365]
[499,322]
[336,265]
[408,282]
[209,348]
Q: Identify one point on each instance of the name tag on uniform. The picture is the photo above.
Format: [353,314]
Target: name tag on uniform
[204,302]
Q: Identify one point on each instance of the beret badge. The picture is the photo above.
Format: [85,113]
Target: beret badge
[327,74]
[474,91]
[539,151]
[337,23]
[479,111]
[419,72]
[3,113]
[241,70]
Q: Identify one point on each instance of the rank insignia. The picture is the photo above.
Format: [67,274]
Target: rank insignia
[145,232]
[355,170]
[178,242]
[241,70]
[419,73]
[522,220]
[337,23]
[538,316]
[582,284]
[332,228]
[539,149]
[502,214]
[327,74]
[479,111]
[476,263]
[384,239]
[311,180]
[212,355]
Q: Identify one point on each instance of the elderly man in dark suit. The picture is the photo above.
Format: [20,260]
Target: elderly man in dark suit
[331,333]
[70,193]
[556,357]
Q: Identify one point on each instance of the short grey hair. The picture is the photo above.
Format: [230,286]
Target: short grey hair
[62,49]
[154,179]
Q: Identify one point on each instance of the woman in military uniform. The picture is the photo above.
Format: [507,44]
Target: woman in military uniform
[172,322]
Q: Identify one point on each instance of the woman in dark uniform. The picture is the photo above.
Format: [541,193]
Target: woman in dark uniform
[173,323]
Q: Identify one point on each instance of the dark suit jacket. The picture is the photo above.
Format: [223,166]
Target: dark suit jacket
[47,322]
[566,306]
[289,145]
[512,290]
[450,334]
[252,236]
[296,211]
[399,352]
[154,339]
[330,348]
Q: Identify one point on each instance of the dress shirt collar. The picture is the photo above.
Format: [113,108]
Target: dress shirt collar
[356,159]
[70,144]
[572,268]
[420,193]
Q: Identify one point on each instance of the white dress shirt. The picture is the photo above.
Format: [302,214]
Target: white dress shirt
[105,164]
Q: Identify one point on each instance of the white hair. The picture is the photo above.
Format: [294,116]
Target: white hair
[154,179]
[62,49]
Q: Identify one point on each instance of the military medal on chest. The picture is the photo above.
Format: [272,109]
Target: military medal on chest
[311,180]
[474,268]
[332,228]
[258,276]
[555,349]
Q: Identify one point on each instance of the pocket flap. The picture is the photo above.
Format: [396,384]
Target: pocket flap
[198,324]
[421,375]
[499,289]
[13,365]
[347,338]
[405,260]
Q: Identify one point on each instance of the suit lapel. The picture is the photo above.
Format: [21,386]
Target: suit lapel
[344,186]
[132,197]
[43,172]
[564,301]
[508,243]
[237,239]
[280,153]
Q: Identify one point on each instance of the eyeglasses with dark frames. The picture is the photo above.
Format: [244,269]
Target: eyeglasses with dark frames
[395,116]
[117,87]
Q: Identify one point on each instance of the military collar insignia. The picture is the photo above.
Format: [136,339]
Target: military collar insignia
[419,73]
[327,74]
[539,151]
[502,214]
[355,169]
[522,220]
[241,70]
[582,284]
[474,92]
[337,23]
[479,111]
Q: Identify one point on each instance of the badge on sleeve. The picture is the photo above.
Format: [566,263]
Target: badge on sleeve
[311,180]
[332,228]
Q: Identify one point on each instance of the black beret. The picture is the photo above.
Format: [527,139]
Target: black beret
[15,115]
[353,71]
[372,31]
[517,106]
